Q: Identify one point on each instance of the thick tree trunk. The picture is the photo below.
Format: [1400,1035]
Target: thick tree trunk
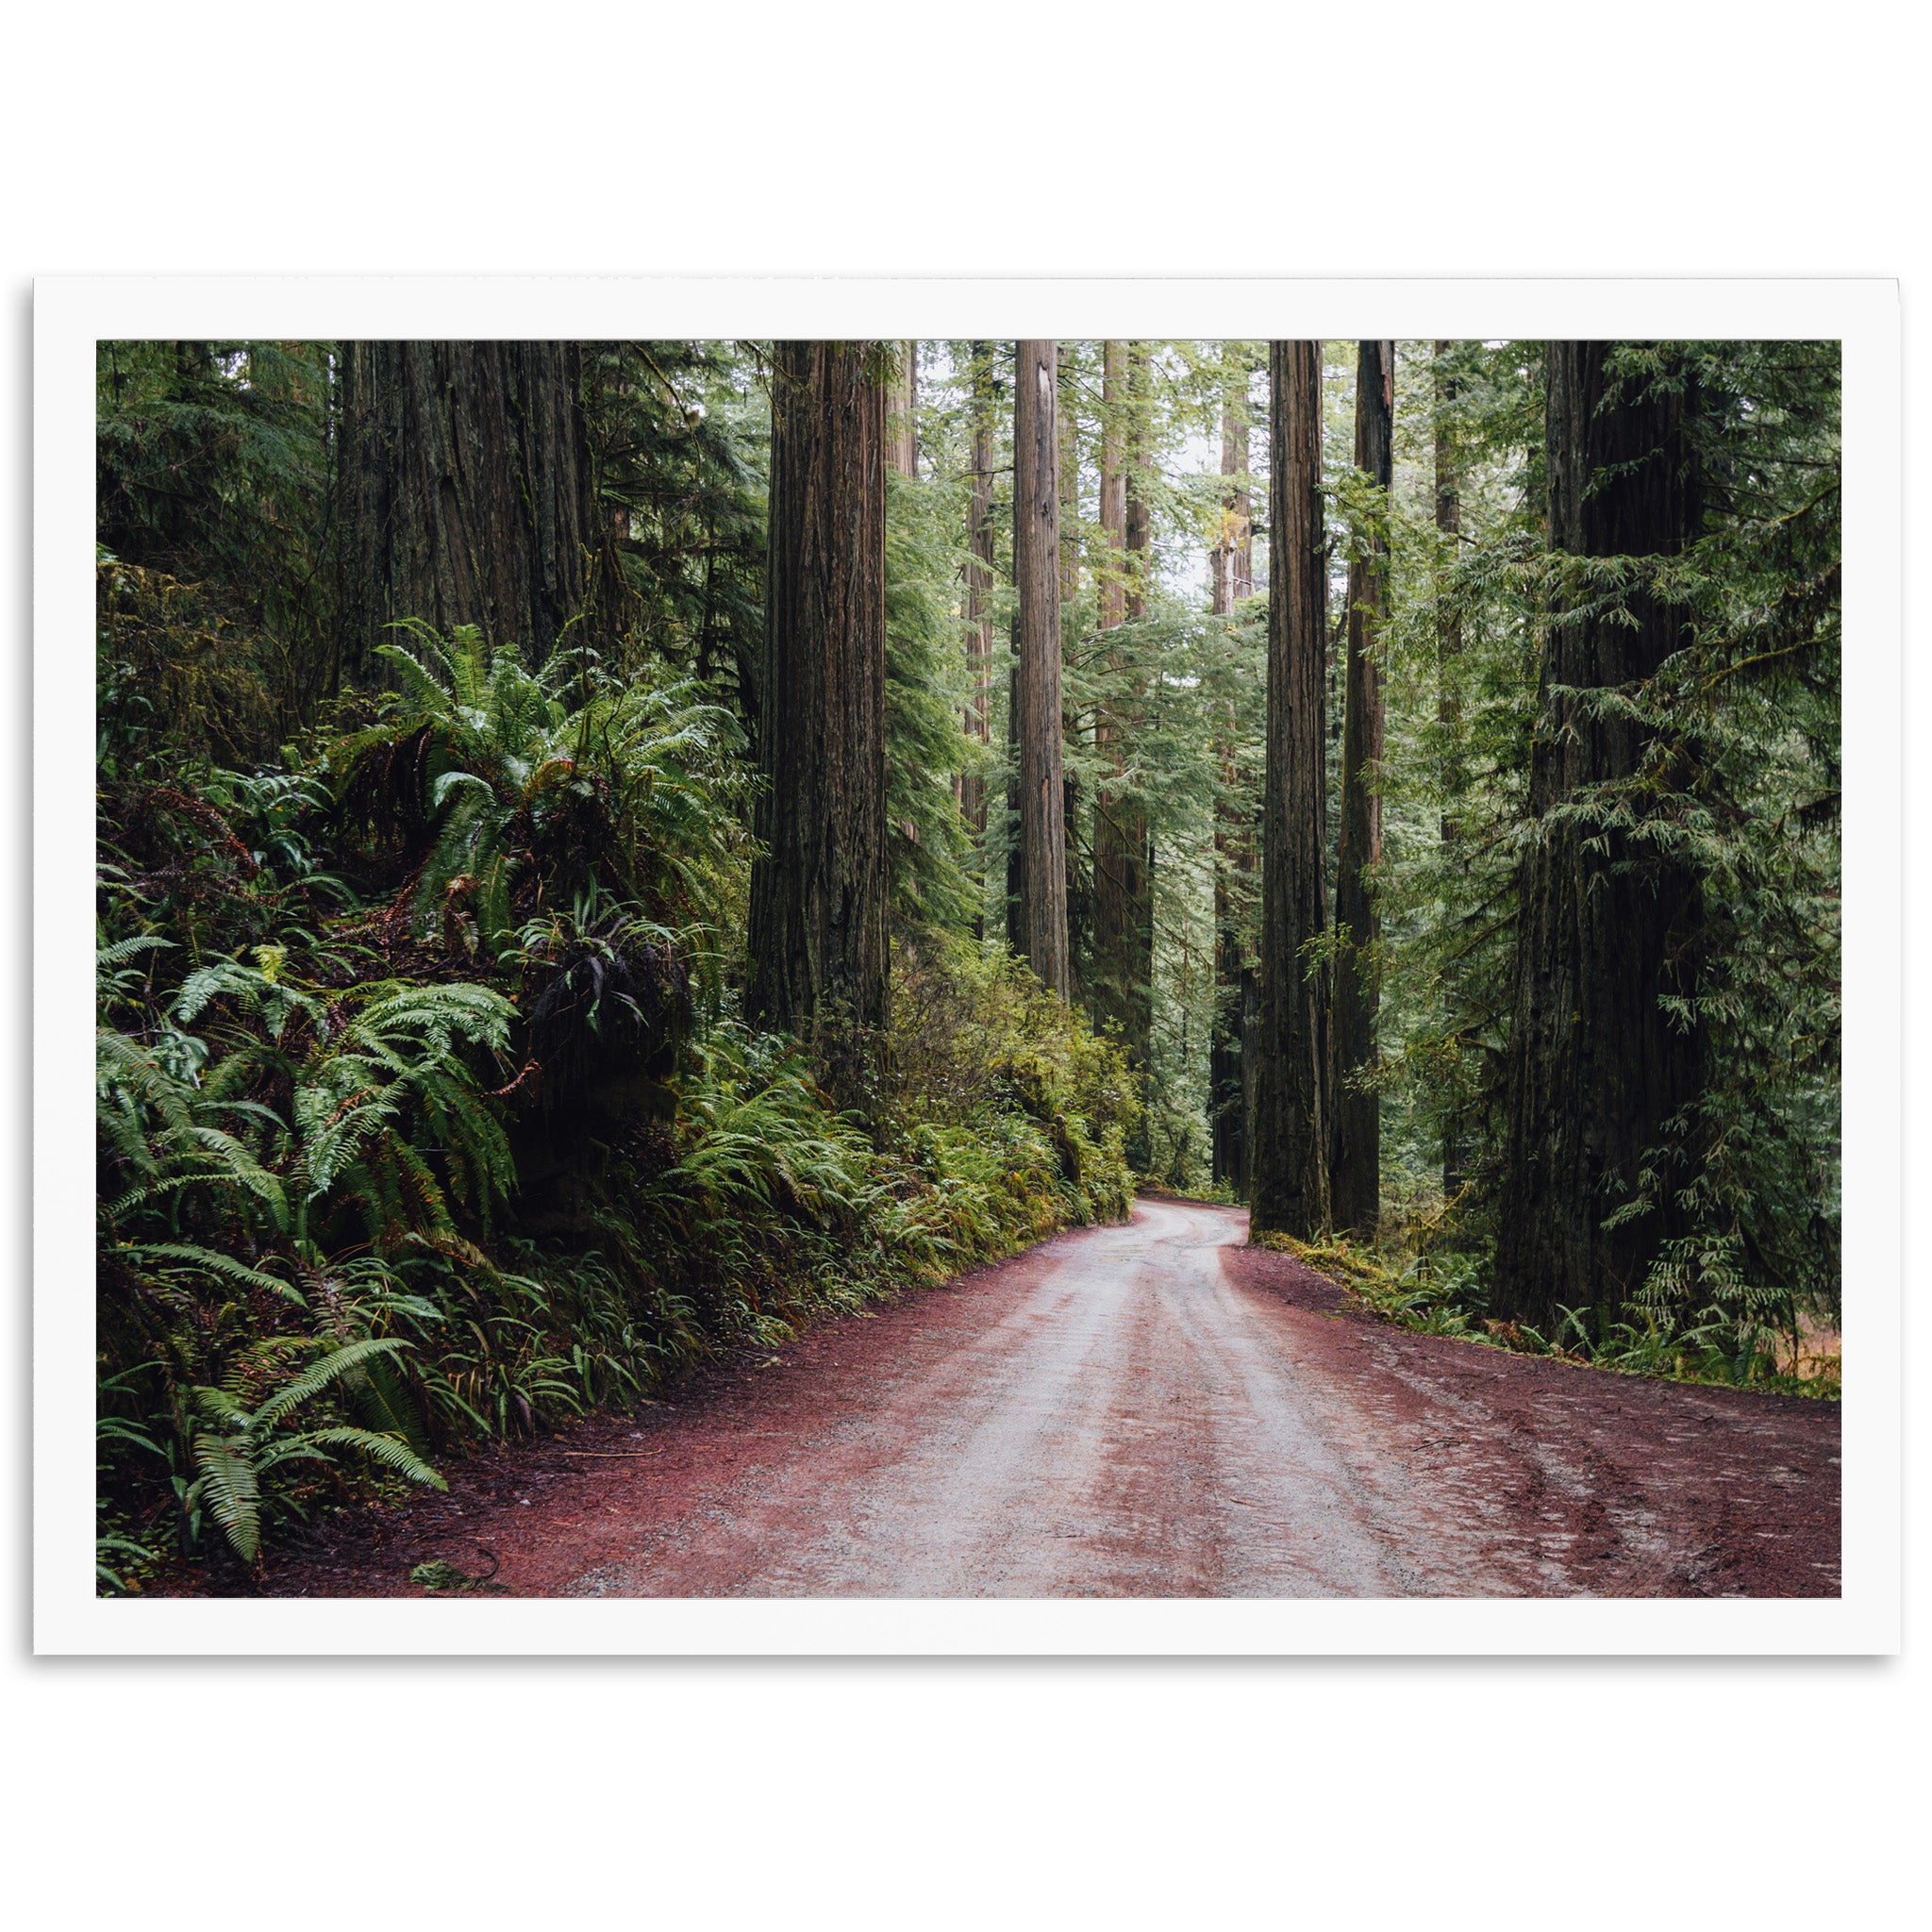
[1289,1142]
[1355,1174]
[818,939]
[1596,1068]
[901,415]
[465,492]
[1036,579]
[979,584]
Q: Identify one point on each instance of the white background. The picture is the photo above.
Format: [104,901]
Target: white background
[1673,139]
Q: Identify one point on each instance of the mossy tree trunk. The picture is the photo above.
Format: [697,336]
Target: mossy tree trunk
[1289,1140]
[465,492]
[1606,925]
[818,930]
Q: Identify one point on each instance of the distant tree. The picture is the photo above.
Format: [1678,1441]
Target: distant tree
[901,418]
[818,928]
[1037,574]
[1232,558]
[980,577]
[1289,1142]
[1448,511]
[1232,562]
[1123,949]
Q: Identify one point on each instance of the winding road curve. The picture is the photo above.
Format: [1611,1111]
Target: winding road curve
[1150,1409]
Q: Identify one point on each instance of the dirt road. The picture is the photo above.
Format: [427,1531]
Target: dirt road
[1145,1410]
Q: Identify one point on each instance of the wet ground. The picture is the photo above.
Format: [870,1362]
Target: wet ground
[1153,1409]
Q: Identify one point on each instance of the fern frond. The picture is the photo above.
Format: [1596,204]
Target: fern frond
[233,1493]
[332,1368]
[386,1449]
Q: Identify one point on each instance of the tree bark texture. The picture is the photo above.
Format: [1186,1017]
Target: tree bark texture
[818,937]
[465,492]
[1596,1068]
[1036,578]
[979,584]
[1289,1140]
[1355,1175]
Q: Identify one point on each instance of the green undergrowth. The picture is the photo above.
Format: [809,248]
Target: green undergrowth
[426,1119]
[1443,1292]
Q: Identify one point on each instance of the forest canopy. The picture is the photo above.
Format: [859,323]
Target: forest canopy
[607,850]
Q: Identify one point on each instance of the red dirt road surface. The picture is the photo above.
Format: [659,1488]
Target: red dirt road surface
[1152,1409]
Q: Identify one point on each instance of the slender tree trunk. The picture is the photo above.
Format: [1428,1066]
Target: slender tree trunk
[1234,845]
[1606,925]
[1123,898]
[1289,1142]
[1069,412]
[1228,1076]
[979,584]
[1037,574]
[901,418]
[1233,557]
[464,473]
[818,937]
[1448,653]
[1355,1175]
[1113,482]
[1139,470]
[1079,881]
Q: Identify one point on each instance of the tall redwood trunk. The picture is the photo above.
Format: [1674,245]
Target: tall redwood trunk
[1234,843]
[902,414]
[1069,412]
[1355,1174]
[818,937]
[1228,1086]
[1596,1069]
[979,584]
[1037,574]
[1289,1142]
[1232,559]
[1113,482]
[1079,882]
[465,492]
[1122,969]
[1140,473]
